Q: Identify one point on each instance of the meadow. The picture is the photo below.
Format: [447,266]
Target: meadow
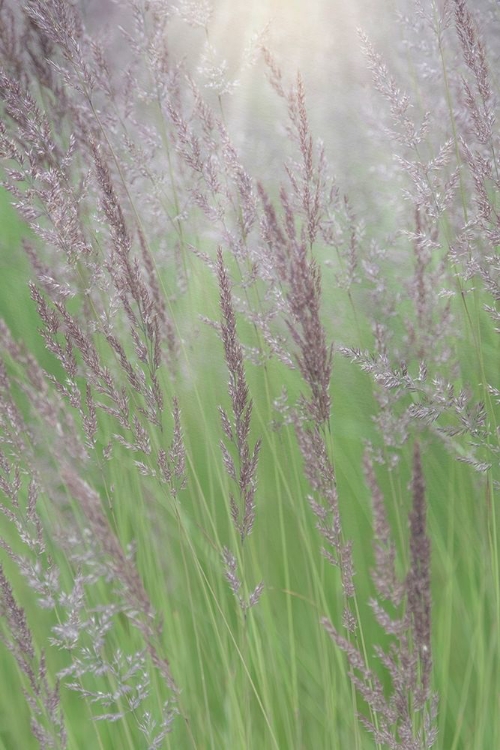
[249,393]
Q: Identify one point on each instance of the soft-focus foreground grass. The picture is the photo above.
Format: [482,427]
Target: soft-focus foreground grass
[274,679]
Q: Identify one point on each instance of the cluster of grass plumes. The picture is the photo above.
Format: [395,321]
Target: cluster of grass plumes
[227,366]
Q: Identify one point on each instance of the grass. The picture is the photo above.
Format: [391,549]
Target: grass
[166,583]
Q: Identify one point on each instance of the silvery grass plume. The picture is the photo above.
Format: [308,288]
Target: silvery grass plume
[89,544]
[47,724]
[237,430]
[88,273]
[300,280]
[78,180]
[406,720]
[237,434]
[449,221]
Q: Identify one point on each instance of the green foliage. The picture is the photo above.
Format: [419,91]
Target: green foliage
[154,612]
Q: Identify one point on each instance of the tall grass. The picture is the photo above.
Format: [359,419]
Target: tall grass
[248,411]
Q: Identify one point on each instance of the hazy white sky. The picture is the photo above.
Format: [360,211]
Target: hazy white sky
[317,37]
